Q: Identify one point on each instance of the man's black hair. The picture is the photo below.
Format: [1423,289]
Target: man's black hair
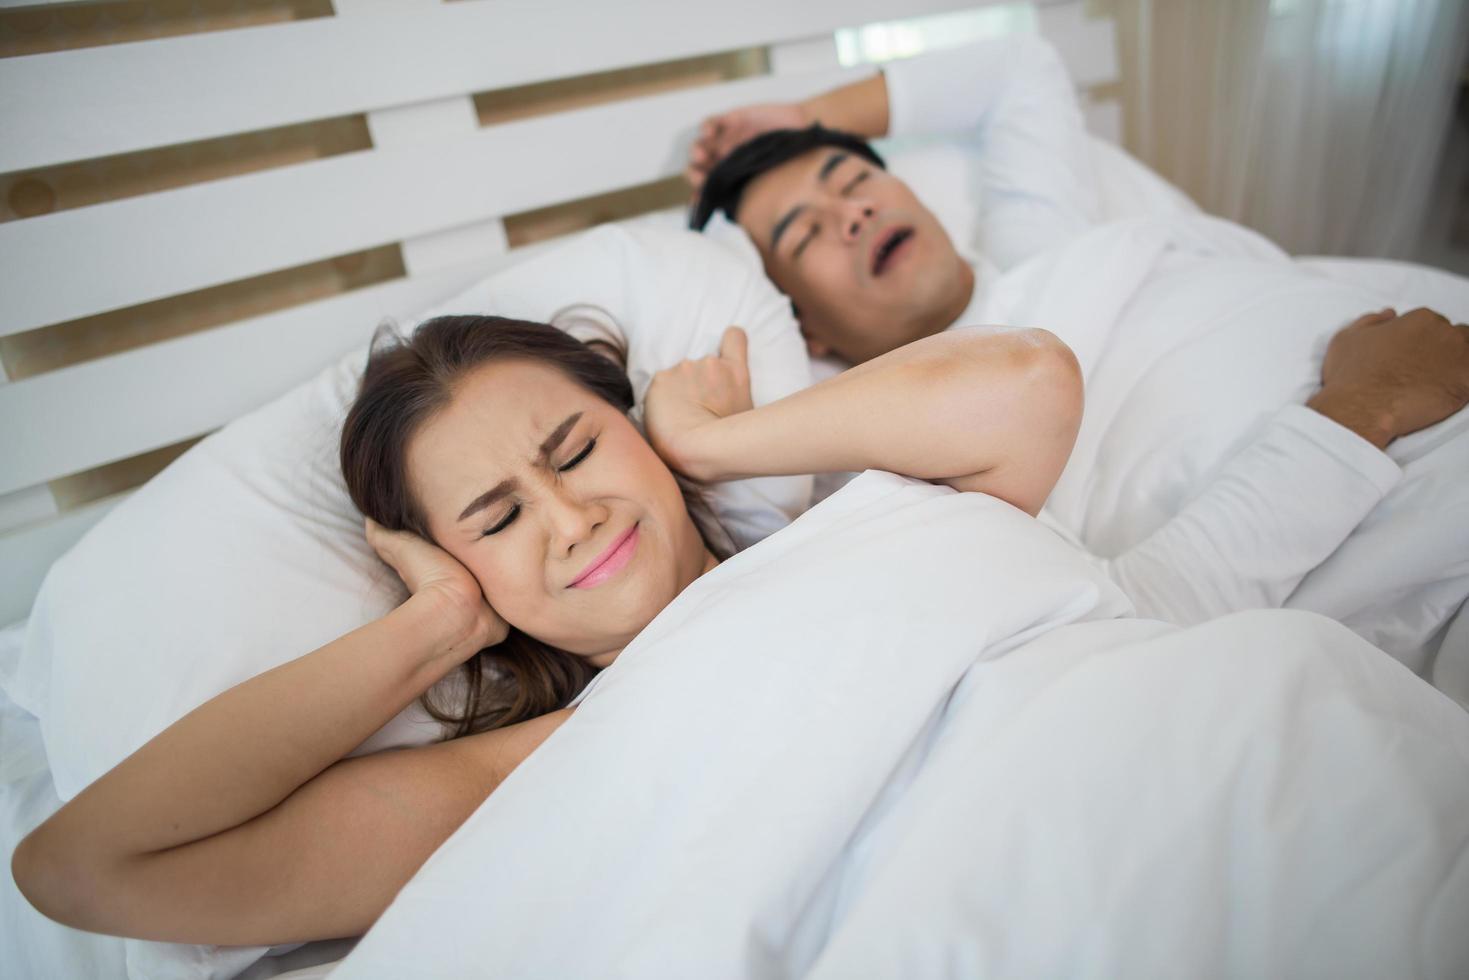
[726,183]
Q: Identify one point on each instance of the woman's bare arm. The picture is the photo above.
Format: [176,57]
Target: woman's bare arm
[238,824]
[992,411]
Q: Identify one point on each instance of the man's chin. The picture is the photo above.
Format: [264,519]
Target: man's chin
[872,337]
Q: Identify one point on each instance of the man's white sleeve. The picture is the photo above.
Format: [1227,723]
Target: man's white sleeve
[1012,99]
[1276,511]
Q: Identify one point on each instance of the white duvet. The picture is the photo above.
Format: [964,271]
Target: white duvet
[913,735]
[1194,334]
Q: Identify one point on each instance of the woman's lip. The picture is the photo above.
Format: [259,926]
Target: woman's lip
[609,562]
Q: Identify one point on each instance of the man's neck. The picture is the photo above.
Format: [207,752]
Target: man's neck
[949,313]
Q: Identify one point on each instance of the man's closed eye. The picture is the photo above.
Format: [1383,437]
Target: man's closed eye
[806,240]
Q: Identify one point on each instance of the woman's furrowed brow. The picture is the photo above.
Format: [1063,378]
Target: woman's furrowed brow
[558,436]
[501,489]
[506,487]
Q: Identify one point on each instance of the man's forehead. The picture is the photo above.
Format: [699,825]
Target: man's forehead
[767,195]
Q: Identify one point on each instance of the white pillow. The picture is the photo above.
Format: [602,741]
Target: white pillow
[247,552]
[1126,188]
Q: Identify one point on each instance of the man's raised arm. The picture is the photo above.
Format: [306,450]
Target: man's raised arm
[1009,97]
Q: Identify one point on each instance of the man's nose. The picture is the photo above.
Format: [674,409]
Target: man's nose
[573,521]
[853,216]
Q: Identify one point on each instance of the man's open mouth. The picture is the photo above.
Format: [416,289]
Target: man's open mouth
[890,242]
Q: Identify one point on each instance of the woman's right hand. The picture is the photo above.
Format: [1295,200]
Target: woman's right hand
[433,573]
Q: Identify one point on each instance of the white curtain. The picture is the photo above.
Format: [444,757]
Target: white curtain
[1320,123]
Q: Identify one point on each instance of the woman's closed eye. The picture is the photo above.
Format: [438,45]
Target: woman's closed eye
[514,512]
[574,461]
[503,523]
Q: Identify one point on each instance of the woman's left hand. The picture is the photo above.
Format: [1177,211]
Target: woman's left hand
[684,402]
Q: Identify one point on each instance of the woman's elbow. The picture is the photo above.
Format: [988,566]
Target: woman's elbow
[32,879]
[1056,378]
[1039,377]
[1042,406]
[1057,397]
[55,883]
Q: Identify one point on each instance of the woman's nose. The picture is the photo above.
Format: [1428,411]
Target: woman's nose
[573,520]
[854,216]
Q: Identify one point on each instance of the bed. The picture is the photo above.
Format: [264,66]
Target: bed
[411,70]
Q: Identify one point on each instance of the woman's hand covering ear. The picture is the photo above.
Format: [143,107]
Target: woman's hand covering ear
[431,572]
[683,400]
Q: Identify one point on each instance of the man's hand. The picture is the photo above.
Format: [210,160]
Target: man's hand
[1387,375]
[860,108]
[720,134]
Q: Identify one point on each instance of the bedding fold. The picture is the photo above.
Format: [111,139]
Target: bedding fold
[913,735]
[749,727]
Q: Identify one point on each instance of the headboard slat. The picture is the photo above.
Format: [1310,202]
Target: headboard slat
[139,400]
[120,98]
[76,263]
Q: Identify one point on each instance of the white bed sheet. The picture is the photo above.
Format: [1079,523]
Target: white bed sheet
[32,947]
[30,944]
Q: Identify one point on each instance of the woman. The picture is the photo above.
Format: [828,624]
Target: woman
[504,482]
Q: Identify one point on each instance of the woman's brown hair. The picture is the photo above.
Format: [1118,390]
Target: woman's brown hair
[405,383]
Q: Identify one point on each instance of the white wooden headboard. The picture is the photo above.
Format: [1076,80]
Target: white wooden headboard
[435,182]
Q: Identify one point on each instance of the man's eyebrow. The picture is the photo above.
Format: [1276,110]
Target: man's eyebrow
[783,224]
[832,162]
[504,487]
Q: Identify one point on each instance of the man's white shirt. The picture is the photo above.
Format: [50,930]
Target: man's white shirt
[1280,504]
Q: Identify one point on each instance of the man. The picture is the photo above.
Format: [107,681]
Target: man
[868,268]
